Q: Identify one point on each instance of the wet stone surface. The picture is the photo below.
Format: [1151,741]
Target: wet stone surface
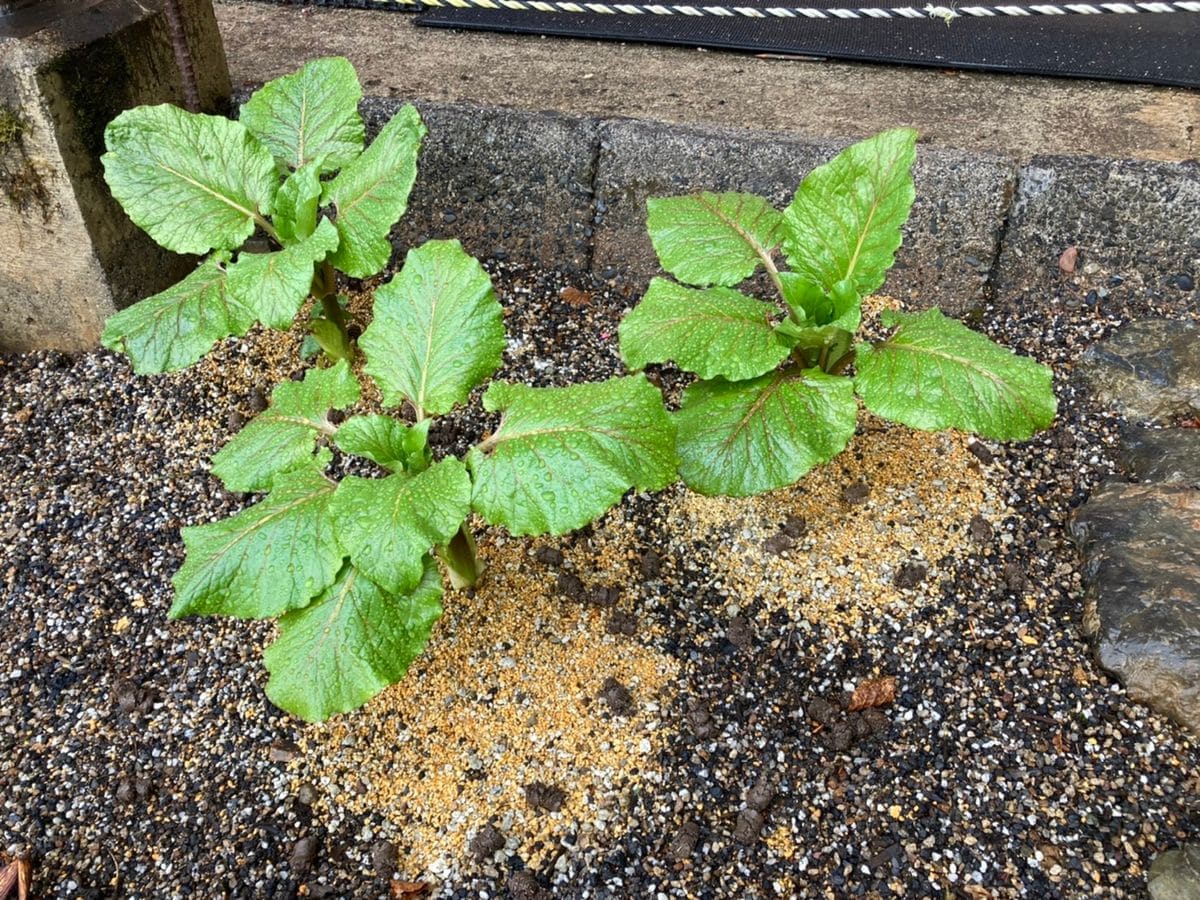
[1148,371]
[1162,456]
[1141,545]
[1175,875]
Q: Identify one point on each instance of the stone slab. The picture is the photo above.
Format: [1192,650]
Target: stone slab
[1175,875]
[507,184]
[1147,371]
[1136,226]
[71,255]
[1161,455]
[950,241]
[1141,549]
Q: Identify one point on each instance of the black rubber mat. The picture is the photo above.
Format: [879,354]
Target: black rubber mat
[1146,47]
[1143,47]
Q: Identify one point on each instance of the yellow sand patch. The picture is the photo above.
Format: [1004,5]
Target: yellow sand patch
[923,490]
[505,695]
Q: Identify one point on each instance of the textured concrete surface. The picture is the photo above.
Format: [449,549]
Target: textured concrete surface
[950,241]
[72,256]
[1136,227]
[506,184]
[1018,116]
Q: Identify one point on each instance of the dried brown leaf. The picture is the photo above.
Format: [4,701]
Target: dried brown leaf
[17,875]
[872,693]
[409,890]
[574,296]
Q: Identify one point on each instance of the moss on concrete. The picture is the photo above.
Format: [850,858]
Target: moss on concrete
[21,180]
[11,127]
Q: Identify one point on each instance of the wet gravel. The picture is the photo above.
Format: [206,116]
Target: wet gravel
[139,758]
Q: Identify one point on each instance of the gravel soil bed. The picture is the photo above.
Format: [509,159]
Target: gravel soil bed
[706,751]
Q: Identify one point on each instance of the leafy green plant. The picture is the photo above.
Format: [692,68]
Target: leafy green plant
[773,398]
[349,565]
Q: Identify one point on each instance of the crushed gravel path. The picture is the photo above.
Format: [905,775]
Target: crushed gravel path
[139,758]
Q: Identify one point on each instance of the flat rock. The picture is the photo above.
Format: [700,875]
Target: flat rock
[1148,371]
[1175,875]
[949,241]
[1141,548]
[1161,455]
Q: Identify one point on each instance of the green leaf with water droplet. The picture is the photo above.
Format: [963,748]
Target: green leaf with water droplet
[275,556]
[846,217]
[297,203]
[350,643]
[738,438]
[707,239]
[386,442]
[714,333]
[273,286]
[192,182]
[309,115]
[562,456]
[388,524]
[371,194]
[437,329]
[176,327]
[936,373]
[284,435]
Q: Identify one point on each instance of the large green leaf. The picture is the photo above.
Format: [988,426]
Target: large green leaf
[274,285]
[371,194]
[275,556]
[746,437]
[708,238]
[845,220]
[175,328]
[309,115]
[297,203]
[386,442]
[284,435]
[438,330]
[351,643]
[192,182]
[563,456]
[936,373]
[388,524]
[714,333]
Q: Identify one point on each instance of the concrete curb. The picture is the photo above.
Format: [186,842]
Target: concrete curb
[569,193]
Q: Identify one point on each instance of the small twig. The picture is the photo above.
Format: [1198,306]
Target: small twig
[17,874]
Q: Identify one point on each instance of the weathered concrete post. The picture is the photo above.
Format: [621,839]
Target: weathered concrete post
[68,254]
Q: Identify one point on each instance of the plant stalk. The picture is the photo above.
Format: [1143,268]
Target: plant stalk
[842,363]
[461,559]
[324,288]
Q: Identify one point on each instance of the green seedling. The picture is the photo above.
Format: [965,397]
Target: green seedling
[773,396]
[349,566]
[207,185]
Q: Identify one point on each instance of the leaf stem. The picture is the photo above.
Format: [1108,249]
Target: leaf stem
[772,270]
[842,363]
[324,287]
[461,558]
[261,221]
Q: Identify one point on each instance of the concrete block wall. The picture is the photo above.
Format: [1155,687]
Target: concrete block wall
[71,256]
